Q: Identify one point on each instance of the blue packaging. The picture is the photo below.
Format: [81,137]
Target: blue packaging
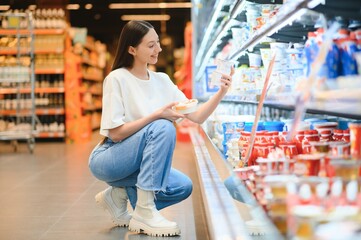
[310,51]
[274,126]
[208,72]
[349,65]
[343,124]
[232,127]
[333,62]
[248,126]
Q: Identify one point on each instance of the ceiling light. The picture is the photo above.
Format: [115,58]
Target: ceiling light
[72,6]
[4,7]
[88,6]
[162,17]
[150,5]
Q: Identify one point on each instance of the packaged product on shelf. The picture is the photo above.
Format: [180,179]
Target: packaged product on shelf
[254,60]
[348,48]
[355,139]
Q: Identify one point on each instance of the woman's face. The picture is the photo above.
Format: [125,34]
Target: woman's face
[148,49]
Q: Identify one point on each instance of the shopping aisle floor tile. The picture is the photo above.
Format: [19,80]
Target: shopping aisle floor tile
[49,195]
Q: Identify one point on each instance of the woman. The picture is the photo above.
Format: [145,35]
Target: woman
[137,121]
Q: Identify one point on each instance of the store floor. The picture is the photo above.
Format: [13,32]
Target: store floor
[49,195]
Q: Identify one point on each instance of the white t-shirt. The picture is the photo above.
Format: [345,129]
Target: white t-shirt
[127,98]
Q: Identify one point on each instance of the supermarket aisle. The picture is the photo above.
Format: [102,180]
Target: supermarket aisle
[50,195]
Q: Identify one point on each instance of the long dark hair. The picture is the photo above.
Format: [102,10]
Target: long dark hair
[131,35]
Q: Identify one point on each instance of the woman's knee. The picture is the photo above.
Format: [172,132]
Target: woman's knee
[188,188]
[164,127]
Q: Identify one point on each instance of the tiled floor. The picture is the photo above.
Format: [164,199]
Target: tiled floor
[49,195]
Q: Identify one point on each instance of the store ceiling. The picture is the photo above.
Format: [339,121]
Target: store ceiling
[105,24]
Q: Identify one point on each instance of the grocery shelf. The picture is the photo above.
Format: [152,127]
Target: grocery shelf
[38,111]
[15,51]
[35,31]
[28,90]
[50,71]
[92,108]
[94,92]
[90,63]
[50,135]
[49,51]
[27,51]
[92,78]
[89,47]
[18,72]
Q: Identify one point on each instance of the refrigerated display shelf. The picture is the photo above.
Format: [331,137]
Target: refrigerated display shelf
[280,20]
[221,210]
[349,109]
[227,218]
[332,107]
[210,40]
[277,22]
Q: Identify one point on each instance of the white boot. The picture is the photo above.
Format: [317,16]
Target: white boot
[148,220]
[115,200]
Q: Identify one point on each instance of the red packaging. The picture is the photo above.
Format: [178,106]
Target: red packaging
[355,140]
[308,164]
[289,148]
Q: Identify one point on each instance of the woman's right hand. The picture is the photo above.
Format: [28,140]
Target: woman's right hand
[167,112]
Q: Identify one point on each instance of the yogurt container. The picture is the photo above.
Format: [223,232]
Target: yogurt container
[186,106]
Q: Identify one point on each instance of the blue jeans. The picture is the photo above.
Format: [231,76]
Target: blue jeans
[143,160]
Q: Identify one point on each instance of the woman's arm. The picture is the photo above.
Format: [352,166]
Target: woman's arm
[127,129]
[206,109]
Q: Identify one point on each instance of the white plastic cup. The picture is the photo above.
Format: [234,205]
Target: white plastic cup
[266,56]
[254,60]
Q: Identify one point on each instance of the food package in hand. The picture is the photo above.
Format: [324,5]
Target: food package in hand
[223,67]
[187,106]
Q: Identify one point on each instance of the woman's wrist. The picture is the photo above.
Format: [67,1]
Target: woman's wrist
[154,116]
[222,92]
